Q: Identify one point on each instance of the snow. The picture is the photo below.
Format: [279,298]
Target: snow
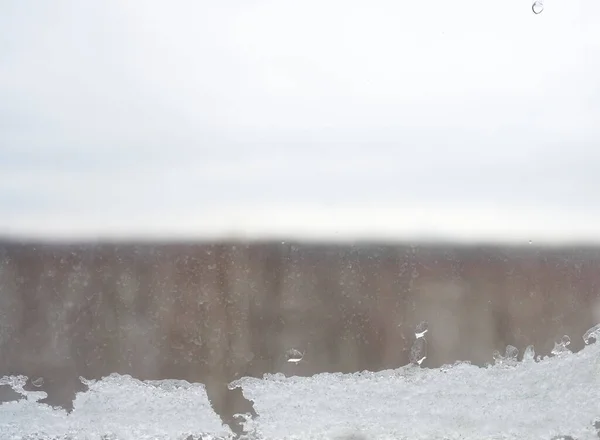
[116,407]
[555,396]
[531,400]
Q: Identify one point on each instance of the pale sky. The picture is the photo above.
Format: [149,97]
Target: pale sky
[454,120]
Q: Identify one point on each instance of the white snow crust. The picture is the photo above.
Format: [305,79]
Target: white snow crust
[557,395]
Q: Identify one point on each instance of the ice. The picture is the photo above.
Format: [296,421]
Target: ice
[529,354]
[117,407]
[511,353]
[560,347]
[294,356]
[418,351]
[555,397]
[498,358]
[592,335]
[421,329]
[15,382]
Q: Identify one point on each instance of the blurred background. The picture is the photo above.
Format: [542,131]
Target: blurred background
[189,190]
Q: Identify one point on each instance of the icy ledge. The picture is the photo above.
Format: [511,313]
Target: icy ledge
[556,396]
[114,408]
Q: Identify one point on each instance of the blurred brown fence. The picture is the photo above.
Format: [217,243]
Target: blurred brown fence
[213,312]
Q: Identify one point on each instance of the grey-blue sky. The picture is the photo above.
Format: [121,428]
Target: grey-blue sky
[322,117]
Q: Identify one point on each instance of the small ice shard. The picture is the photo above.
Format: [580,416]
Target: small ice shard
[561,346]
[592,335]
[498,358]
[38,382]
[510,357]
[512,353]
[537,7]
[87,382]
[418,351]
[421,328]
[529,354]
[294,356]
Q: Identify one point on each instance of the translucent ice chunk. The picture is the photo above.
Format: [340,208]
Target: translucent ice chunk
[498,358]
[509,358]
[560,347]
[592,335]
[529,354]
[512,353]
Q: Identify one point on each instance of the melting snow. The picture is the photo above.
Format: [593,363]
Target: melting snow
[553,397]
[114,408]
[556,396]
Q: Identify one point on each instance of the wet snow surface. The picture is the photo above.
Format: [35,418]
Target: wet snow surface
[556,396]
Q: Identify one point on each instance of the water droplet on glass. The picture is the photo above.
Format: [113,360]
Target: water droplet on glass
[294,356]
[418,351]
[38,382]
[592,335]
[421,329]
[561,346]
[537,7]
[512,353]
[529,354]
[530,242]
